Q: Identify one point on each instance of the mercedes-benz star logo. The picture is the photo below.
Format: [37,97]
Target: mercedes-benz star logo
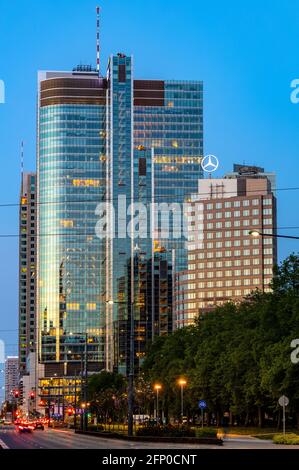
[210,163]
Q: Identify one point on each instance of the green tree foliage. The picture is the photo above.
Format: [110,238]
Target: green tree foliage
[237,356]
[107,395]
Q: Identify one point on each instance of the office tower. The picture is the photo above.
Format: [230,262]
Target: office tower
[165,119]
[117,257]
[225,262]
[168,116]
[11,373]
[89,129]
[27,269]
[71,152]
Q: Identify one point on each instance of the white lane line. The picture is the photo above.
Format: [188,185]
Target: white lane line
[3,445]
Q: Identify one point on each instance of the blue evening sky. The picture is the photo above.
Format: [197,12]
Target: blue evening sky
[245,52]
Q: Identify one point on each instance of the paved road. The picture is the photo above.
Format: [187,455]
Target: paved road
[63,439]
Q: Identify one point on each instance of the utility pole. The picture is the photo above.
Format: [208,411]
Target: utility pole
[85,385]
[131,374]
[75,403]
[82,393]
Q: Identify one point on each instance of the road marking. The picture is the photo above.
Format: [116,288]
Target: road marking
[3,445]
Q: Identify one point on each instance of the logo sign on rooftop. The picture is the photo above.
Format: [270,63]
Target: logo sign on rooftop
[210,163]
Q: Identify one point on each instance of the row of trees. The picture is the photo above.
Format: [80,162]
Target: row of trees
[237,358]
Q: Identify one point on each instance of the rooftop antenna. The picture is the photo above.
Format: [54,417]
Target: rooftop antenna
[22,157]
[98,40]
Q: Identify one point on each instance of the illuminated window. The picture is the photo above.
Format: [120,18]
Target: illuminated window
[65,223]
[73,306]
[86,183]
[91,307]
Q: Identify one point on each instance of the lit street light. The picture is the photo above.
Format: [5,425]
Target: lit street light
[157,387]
[182,383]
[256,234]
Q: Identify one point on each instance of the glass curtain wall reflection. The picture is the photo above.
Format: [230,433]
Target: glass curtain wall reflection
[71,159]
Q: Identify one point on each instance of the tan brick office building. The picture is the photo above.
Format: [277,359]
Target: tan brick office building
[225,262]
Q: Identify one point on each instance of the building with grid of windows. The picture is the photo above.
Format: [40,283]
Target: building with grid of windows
[165,119]
[225,262]
[11,371]
[89,129]
[71,151]
[27,269]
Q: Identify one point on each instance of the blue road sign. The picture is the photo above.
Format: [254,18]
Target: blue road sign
[202,404]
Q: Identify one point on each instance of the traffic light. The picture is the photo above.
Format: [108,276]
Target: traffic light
[32,395]
[16,394]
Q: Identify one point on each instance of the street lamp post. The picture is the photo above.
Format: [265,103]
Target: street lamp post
[182,383]
[256,233]
[131,374]
[157,387]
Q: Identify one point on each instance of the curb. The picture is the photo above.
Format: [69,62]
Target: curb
[181,440]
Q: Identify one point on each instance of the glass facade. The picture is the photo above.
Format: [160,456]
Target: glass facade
[71,183]
[91,134]
[175,131]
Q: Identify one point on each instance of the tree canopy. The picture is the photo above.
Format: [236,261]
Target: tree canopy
[236,357]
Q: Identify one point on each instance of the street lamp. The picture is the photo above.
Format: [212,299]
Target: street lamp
[182,383]
[256,234]
[157,387]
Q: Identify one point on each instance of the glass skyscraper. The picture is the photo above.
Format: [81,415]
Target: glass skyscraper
[71,149]
[109,140]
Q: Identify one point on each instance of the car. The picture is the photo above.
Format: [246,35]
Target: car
[38,425]
[25,427]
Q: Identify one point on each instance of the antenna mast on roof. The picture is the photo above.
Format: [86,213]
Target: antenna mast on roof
[98,40]
[22,157]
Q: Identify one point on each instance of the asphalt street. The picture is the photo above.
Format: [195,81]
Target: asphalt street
[64,439]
